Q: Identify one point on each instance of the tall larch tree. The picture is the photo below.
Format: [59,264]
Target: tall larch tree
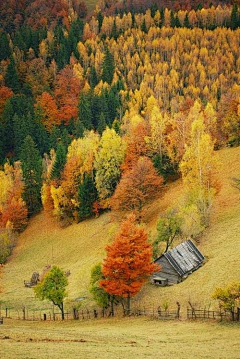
[108,163]
[198,166]
[128,262]
[31,164]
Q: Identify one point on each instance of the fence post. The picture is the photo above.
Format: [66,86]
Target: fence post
[24,313]
[178,310]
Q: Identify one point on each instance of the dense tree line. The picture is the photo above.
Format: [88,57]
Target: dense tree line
[98,102]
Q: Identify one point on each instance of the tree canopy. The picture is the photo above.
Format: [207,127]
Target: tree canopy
[128,263]
[53,288]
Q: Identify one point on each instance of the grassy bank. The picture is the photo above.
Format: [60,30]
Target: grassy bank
[125,338]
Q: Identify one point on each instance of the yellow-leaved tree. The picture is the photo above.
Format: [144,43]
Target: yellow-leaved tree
[80,161]
[198,167]
[13,210]
[108,163]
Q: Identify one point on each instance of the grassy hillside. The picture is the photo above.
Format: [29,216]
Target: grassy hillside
[80,246]
[126,338]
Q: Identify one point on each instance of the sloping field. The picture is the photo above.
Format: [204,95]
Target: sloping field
[81,246]
[220,244]
[126,338]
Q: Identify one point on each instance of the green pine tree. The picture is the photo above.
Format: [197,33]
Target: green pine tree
[113,104]
[101,124]
[65,138]
[186,22]
[31,164]
[108,67]
[11,77]
[144,27]
[5,50]
[162,17]
[85,113]
[79,129]
[172,19]
[20,130]
[114,32]
[116,126]
[2,143]
[93,77]
[54,138]
[63,56]
[87,195]
[18,41]
[177,21]
[35,41]
[100,20]
[60,161]
[235,16]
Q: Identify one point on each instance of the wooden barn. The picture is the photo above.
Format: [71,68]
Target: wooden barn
[177,264]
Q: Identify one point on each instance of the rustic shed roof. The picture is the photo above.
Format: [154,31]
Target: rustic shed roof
[184,258]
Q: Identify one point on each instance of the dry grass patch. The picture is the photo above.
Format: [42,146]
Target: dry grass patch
[126,338]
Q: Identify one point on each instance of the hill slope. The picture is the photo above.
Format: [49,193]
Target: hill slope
[80,246]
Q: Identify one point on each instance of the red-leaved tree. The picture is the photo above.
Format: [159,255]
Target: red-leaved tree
[137,186]
[128,263]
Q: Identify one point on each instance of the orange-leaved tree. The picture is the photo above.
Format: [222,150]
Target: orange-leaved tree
[128,263]
[13,210]
[137,186]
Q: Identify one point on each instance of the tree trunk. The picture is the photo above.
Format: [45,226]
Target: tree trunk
[238,314]
[112,307]
[128,311]
[62,310]
[167,246]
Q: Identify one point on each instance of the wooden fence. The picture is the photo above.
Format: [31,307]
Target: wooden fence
[193,313]
[50,314]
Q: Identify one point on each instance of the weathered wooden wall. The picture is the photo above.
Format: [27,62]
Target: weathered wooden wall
[167,271]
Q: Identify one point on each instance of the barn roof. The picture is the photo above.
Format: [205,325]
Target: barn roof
[184,258]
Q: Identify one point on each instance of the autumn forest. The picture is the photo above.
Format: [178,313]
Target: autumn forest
[100,110]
